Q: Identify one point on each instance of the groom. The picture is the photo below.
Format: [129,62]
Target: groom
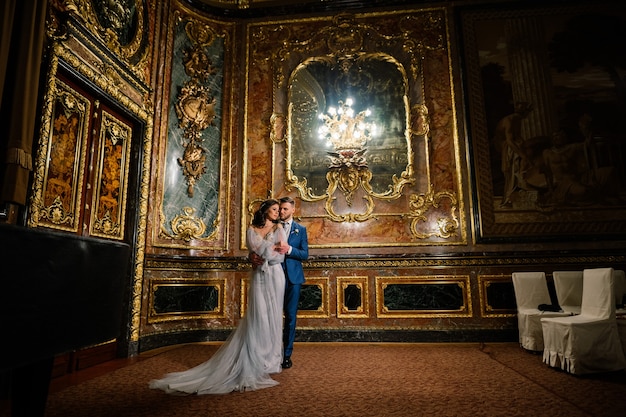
[296,250]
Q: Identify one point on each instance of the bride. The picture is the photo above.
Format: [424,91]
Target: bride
[253,350]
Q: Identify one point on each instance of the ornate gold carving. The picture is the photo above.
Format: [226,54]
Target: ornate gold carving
[107,226]
[109,199]
[56,214]
[109,22]
[463,281]
[187,227]
[195,106]
[59,166]
[419,205]
[278,125]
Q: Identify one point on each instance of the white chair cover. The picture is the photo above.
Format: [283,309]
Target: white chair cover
[588,342]
[620,286]
[569,290]
[531,289]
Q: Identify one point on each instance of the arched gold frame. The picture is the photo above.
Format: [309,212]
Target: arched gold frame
[348,171]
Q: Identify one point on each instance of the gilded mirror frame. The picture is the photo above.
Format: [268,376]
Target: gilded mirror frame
[345,45]
[354,160]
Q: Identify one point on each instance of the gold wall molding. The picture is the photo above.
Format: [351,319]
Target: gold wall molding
[323,310]
[463,281]
[222,264]
[339,263]
[321,282]
[486,310]
[360,284]
[156,284]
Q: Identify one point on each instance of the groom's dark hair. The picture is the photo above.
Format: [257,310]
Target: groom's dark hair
[288,200]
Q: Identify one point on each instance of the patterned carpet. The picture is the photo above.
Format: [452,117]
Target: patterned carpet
[352,379]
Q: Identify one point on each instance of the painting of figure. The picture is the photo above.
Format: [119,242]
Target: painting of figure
[547,91]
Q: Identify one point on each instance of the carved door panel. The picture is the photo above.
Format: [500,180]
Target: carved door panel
[108,184]
[81,177]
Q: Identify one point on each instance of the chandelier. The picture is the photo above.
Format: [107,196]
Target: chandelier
[344,130]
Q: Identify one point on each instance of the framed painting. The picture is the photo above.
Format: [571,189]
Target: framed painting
[546,105]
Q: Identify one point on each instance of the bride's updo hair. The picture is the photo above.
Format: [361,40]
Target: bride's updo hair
[259,216]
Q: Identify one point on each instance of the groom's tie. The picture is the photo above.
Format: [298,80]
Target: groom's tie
[286,226]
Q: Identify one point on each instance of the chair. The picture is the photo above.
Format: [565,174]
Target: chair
[620,287]
[531,290]
[588,342]
[569,290]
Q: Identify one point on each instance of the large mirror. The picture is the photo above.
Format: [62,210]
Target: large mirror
[348,121]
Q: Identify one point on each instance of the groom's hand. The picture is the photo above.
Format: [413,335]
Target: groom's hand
[282,247]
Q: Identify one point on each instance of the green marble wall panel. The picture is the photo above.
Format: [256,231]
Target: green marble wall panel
[205,199]
[310,298]
[423,297]
[185,299]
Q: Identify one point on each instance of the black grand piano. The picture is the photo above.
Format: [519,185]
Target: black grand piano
[58,293]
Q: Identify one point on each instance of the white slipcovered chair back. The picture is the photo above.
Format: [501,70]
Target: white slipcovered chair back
[531,289]
[588,342]
[598,294]
[569,290]
[620,286]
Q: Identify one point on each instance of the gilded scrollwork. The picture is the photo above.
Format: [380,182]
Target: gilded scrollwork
[420,205]
[186,226]
[370,151]
[118,24]
[195,105]
[56,213]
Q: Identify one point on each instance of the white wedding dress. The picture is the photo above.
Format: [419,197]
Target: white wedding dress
[253,350]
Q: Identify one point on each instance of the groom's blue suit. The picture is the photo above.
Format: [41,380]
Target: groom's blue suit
[294,275]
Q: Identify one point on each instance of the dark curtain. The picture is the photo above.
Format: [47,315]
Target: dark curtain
[21,46]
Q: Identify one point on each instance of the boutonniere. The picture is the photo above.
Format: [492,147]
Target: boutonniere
[296,231]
